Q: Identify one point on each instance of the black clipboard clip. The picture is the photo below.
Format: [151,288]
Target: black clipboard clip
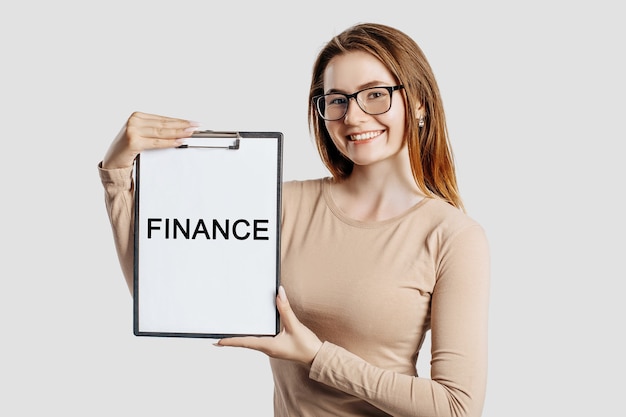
[215,134]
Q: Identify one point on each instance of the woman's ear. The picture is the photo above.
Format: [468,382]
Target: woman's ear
[419,111]
[419,114]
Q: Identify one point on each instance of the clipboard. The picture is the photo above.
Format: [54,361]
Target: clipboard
[207,236]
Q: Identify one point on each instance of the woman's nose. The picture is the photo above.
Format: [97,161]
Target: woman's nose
[354,112]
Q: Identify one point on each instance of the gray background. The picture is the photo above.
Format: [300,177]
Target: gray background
[534,94]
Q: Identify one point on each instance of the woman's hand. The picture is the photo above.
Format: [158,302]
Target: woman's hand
[294,342]
[145,131]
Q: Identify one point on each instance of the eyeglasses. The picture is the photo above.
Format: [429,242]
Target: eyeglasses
[373,100]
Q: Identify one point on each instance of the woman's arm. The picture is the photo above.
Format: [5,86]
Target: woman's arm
[459,315]
[140,132]
[119,202]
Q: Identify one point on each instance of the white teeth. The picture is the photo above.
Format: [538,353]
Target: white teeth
[363,136]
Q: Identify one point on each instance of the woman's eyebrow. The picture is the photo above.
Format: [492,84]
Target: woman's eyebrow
[369,84]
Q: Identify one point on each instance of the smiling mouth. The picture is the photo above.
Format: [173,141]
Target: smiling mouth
[365,136]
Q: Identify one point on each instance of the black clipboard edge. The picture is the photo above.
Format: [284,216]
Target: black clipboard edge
[279,176]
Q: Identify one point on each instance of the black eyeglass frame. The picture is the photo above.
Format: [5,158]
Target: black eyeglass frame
[391,89]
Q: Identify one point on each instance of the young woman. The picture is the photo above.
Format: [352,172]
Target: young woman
[372,257]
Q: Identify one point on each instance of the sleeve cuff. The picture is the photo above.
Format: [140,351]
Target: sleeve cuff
[326,353]
[118,177]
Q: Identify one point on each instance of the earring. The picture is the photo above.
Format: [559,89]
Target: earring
[421,122]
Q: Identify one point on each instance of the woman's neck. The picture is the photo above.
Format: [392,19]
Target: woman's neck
[378,191]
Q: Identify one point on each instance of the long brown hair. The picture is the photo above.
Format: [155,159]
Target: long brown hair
[429,148]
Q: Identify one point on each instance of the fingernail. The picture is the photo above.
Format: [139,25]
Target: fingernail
[281,293]
[217,344]
[193,123]
[192,129]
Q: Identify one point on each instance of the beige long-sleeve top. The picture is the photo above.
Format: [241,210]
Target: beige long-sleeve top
[370,291]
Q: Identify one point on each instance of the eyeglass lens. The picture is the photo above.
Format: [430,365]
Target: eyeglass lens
[373,101]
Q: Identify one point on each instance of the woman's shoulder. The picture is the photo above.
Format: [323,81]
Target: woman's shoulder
[301,188]
[301,196]
[447,218]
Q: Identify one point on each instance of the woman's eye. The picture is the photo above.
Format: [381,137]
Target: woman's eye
[337,101]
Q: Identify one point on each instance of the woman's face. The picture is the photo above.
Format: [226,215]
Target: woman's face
[363,138]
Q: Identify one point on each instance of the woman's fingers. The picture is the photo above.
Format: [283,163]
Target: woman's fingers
[144,131]
[150,126]
[262,344]
[287,316]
